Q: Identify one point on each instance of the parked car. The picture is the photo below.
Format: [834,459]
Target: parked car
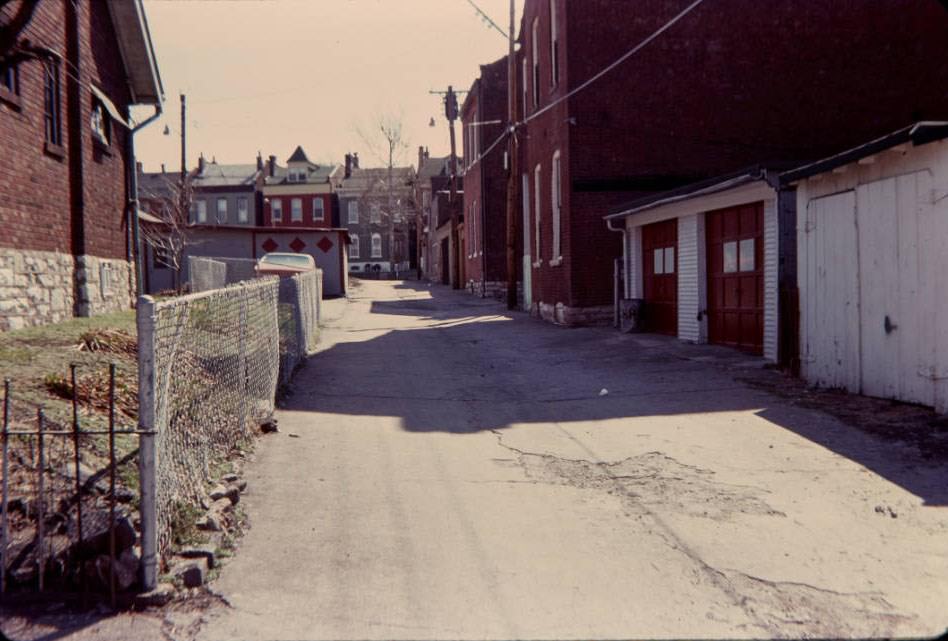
[284,265]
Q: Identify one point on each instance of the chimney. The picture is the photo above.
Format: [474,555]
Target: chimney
[348,173]
[259,162]
[272,166]
[355,160]
[421,156]
[201,164]
[162,167]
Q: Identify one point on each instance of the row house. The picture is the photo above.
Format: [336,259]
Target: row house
[377,207]
[721,90]
[67,81]
[432,177]
[246,210]
[483,118]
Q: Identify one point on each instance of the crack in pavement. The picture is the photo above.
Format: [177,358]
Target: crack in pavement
[781,608]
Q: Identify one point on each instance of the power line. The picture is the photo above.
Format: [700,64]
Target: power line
[487,19]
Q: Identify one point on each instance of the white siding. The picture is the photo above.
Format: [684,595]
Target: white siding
[893,262]
[692,278]
[771,265]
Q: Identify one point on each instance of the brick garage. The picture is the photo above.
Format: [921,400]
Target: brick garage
[65,249]
[724,88]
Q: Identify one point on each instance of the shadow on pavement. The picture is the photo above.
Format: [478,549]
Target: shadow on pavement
[480,368]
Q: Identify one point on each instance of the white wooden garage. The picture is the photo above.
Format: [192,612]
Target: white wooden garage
[872,233]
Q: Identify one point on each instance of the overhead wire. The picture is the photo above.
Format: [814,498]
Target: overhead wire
[488,19]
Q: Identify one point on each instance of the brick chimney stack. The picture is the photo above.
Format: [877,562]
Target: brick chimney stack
[272,163]
[355,160]
[348,173]
[201,164]
[259,162]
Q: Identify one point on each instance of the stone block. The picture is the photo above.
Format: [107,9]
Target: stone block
[191,572]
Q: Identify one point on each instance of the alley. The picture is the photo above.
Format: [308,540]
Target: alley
[444,469]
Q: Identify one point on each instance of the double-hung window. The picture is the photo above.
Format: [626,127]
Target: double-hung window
[353,212]
[221,210]
[319,211]
[353,246]
[200,212]
[538,209]
[376,213]
[276,210]
[243,214]
[9,80]
[296,210]
[536,61]
[556,201]
[376,245]
[554,47]
[52,111]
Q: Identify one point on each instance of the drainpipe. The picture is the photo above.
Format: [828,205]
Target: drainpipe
[133,195]
[616,295]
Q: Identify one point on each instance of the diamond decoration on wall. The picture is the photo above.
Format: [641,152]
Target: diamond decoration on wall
[297,245]
[325,244]
[269,245]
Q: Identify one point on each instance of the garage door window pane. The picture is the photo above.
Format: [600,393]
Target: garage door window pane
[730,257]
[747,255]
[669,260]
[659,261]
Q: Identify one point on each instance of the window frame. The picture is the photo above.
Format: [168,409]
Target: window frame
[200,211]
[538,211]
[243,210]
[536,61]
[375,214]
[52,103]
[376,236]
[354,248]
[296,210]
[321,208]
[103,137]
[221,212]
[556,203]
[353,208]
[276,210]
[554,47]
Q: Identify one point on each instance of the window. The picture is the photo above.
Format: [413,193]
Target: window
[473,232]
[296,176]
[354,246]
[242,210]
[556,201]
[426,199]
[536,61]
[200,211]
[747,255]
[376,215]
[51,103]
[319,211]
[10,79]
[730,257]
[536,201]
[101,123]
[663,261]
[525,83]
[376,246]
[554,47]
[472,143]
[296,210]
[221,210]
[276,210]
[353,212]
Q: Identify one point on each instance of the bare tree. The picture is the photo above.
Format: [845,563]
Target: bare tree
[13,48]
[389,149]
[168,202]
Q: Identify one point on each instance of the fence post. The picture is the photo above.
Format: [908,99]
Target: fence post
[147,452]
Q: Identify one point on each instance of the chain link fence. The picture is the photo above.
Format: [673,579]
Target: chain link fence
[213,272]
[209,367]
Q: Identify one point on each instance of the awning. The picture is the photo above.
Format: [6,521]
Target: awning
[109,106]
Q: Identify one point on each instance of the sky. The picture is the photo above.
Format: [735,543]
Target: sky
[267,75]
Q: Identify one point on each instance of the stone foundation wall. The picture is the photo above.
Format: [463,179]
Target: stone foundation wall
[493,289]
[38,287]
[561,314]
[104,285]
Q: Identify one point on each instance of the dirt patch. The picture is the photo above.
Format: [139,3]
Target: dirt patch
[891,420]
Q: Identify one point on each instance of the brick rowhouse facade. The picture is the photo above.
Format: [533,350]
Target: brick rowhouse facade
[65,249]
[724,88]
[485,183]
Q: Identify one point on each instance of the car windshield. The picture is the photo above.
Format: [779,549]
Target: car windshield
[290,260]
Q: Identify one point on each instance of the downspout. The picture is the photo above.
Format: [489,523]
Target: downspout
[616,295]
[133,195]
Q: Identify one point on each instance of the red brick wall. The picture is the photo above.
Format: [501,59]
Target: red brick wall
[287,201]
[729,86]
[34,185]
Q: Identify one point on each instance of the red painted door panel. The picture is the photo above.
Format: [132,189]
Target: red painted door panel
[736,277]
[660,281]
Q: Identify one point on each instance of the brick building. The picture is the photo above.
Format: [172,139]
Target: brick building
[483,116]
[65,92]
[724,88]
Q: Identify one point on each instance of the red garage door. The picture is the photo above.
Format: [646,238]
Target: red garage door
[660,269]
[736,277]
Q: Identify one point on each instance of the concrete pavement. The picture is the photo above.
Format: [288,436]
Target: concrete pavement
[447,470]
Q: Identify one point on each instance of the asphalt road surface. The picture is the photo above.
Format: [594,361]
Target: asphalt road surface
[447,470]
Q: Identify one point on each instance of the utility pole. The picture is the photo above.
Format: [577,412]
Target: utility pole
[451,112]
[511,168]
[184,157]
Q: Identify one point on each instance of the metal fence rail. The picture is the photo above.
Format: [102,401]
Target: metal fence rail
[300,298]
[213,272]
[208,371]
